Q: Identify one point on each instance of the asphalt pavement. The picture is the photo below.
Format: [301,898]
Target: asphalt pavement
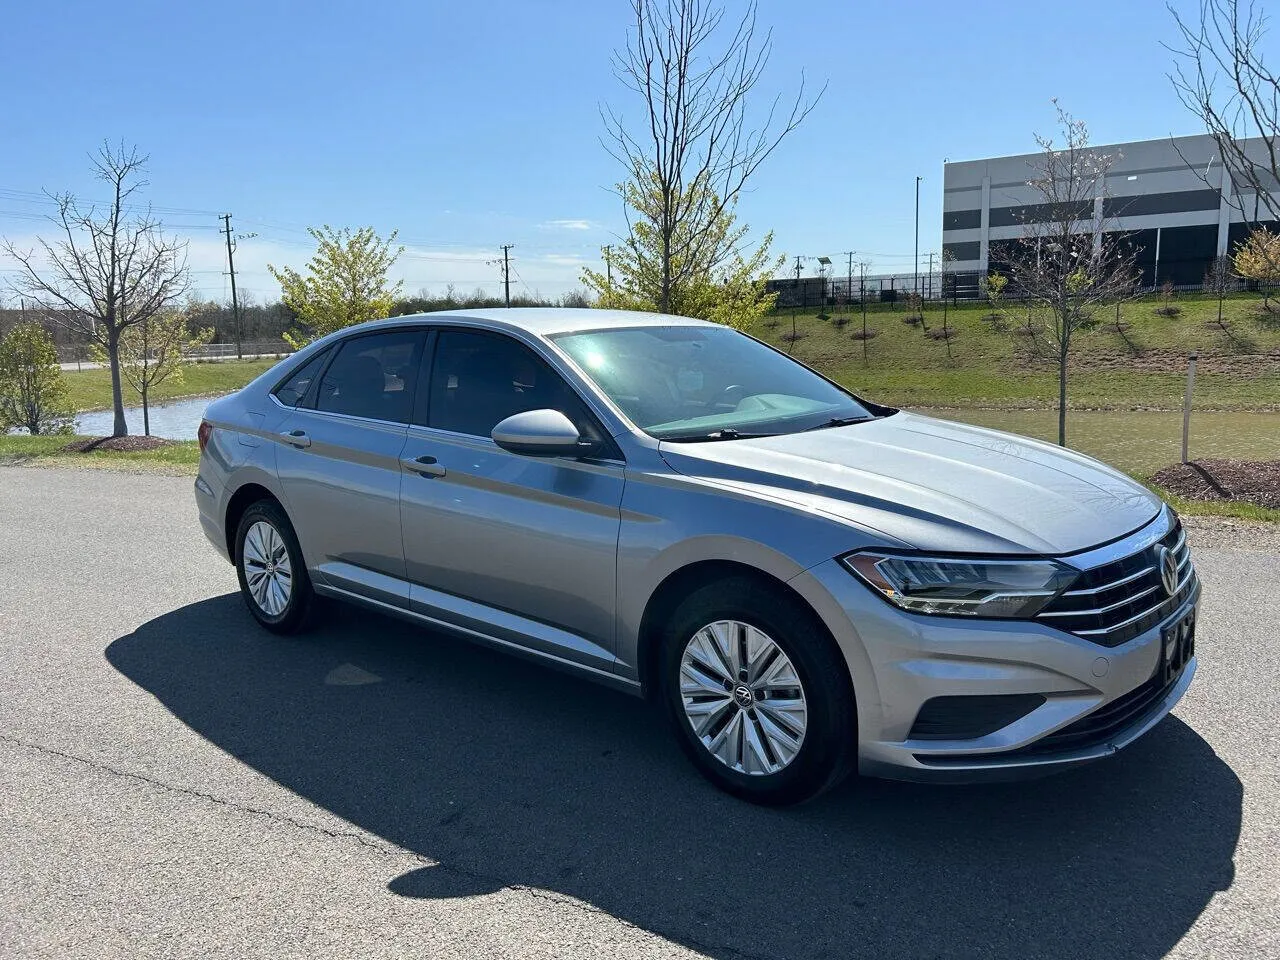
[175,782]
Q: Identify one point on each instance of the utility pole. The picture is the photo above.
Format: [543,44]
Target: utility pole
[231,268]
[862,295]
[608,264]
[918,179]
[506,271]
[795,301]
[848,297]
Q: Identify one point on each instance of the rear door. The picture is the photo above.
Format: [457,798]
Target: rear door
[339,462]
[524,548]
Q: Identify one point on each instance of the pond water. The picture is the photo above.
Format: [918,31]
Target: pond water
[177,420]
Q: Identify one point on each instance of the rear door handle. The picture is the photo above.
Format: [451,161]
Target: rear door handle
[423,466]
[296,438]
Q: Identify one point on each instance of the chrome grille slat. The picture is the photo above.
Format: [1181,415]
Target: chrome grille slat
[1117,585]
[1108,586]
[1134,619]
[1094,611]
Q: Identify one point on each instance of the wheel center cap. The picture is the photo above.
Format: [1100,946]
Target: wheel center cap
[743,696]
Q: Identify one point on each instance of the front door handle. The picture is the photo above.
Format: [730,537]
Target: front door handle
[423,466]
[296,438]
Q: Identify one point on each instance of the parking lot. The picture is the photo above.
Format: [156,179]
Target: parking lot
[174,781]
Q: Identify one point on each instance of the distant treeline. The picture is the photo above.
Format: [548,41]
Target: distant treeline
[265,323]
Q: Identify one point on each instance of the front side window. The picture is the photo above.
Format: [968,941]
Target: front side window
[480,379]
[373,376]
[695,383]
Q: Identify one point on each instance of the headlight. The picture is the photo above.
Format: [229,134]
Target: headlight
[962,587]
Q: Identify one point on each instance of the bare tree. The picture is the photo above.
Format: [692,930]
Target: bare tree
[1220,75]
[107,271]
[1067,262]
[695,141]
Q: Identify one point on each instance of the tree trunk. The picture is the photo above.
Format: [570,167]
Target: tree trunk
[120,428]
[146,414]
[664,301]
[1062,396]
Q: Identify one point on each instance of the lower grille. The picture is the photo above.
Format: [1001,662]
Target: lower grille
[1105,722]
[970,717]
[1115,602]
[1089,731]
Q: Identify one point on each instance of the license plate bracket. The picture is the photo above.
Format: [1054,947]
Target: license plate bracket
[1177,646]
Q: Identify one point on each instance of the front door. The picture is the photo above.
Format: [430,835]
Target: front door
[518,547]
[339,463]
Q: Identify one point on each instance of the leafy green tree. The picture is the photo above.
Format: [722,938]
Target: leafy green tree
[154,352]
[1258,259]
[996,282]
[345,283]
[711,280]
[32,391]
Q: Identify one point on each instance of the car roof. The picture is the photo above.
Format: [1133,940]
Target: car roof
[547,321]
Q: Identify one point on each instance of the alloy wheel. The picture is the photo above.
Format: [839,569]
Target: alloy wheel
[267,570]
[743,697]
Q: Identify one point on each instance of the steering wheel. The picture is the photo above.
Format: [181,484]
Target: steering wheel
[731,395]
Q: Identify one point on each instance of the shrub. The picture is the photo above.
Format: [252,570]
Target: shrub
[32,392]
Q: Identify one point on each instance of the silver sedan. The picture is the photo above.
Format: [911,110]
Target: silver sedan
[807,582]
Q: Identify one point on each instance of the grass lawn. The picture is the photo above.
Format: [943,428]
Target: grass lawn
[91,389]
[181,457]
[1239,367]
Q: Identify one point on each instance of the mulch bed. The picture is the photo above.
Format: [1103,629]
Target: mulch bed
[1250,481]
[123,444]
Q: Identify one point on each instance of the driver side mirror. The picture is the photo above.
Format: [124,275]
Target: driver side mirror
[541,433]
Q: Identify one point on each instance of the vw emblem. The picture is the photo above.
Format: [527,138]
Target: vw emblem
[1168,566]
[742,693]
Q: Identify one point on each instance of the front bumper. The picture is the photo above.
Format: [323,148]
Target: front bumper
[899,661]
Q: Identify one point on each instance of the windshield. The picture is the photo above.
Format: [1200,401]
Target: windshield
[692,382]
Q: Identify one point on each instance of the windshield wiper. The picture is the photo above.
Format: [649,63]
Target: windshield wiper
[726,433]
[837,422]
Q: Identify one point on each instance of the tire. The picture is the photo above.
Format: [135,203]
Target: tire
[773,766]
[280,593]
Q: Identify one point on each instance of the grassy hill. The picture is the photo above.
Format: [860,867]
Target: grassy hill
[994,365]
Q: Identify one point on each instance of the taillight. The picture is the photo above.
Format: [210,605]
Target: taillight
[206,428]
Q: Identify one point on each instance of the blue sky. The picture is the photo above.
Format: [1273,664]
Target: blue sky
[470,125]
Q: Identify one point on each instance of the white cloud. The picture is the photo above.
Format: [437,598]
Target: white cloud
[567,225]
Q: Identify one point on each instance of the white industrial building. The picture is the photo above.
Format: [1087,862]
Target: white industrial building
[1172,196]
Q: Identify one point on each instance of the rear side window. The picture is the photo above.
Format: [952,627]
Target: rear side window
[291,392]
[373,377]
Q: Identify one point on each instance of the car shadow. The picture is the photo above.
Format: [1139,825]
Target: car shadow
[504,773]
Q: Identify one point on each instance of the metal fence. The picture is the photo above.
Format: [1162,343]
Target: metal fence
[83,354]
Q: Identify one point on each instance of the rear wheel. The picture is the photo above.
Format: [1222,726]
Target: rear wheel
[758,692]
[273,577]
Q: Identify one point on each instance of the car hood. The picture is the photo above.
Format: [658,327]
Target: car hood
[933,484]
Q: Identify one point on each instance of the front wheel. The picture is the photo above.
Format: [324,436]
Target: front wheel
[758,693]
[269,565]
